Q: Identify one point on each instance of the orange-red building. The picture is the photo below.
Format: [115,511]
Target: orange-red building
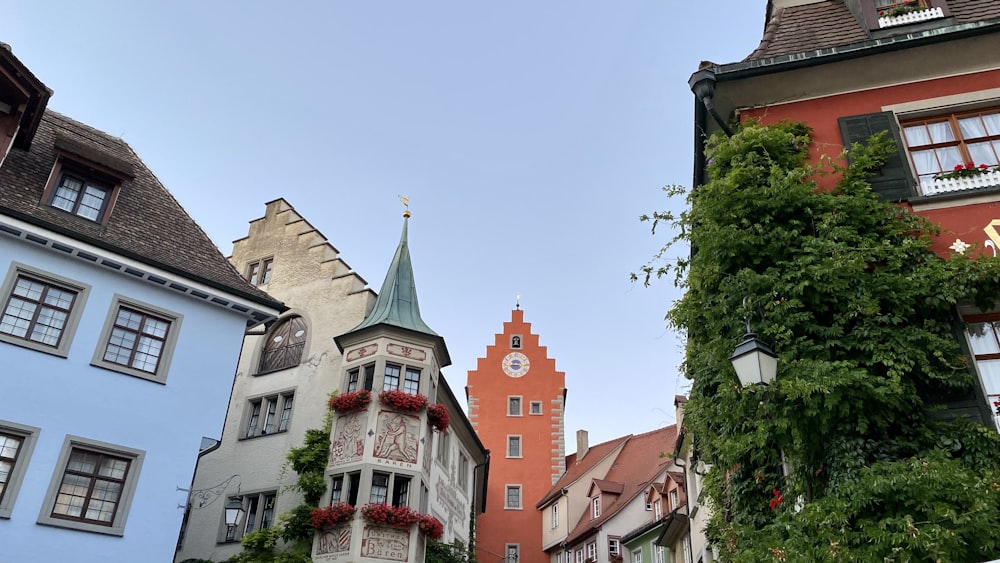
[516,399]
[925,71]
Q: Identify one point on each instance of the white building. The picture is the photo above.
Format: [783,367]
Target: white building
[120,323]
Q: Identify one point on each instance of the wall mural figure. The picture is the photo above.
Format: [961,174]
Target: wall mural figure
[348,443]
[396,437]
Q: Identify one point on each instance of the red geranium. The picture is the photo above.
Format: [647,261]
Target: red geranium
[437,415]
[777,500]
[330,516]
[402,401]
[350,402]
[385,515]
[996,404]
[430,526]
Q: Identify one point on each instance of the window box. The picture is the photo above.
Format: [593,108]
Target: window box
[403,401]
[350,402]
[910,17]
[946,185]
[331,516]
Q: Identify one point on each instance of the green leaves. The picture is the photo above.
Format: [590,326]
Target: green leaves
[860,312]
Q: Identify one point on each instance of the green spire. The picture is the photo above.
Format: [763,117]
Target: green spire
[397,301]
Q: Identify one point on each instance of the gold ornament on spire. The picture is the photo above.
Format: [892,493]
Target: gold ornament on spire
[406,202]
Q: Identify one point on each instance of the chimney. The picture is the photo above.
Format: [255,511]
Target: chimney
[582,444]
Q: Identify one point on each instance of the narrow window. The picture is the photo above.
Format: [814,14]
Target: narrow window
[513,500]
[592,551]
[380,488]
[595,505]
[555,516]
[463,472]
[16,444]
[254,418]
[513,446]
[337,489]
[614,547]
[391,380]
[513,552]
[513,406]
[286,413]
[411,384]
[400,490]
[353,487]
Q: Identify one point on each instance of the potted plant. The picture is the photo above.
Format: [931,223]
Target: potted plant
[331,516]
[350,402]
[967,170]
[437,415]
[402,401]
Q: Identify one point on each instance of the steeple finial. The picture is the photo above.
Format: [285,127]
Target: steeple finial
[406,202]
[517,301]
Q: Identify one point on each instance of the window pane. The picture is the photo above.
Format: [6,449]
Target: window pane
[992,122]
[91,203]
[391,380]
[949,157]
[982,153]
[940,132]
[67,193]
[990,371]
[982,338]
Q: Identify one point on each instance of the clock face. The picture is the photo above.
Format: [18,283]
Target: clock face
[516,364]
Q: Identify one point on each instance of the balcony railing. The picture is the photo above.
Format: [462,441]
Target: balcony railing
[911,17]
[984,180]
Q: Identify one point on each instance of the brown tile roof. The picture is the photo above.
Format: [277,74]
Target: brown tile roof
[824,25]
[575,470]
[147,224]
[639,462]
[606,486]
[677,476]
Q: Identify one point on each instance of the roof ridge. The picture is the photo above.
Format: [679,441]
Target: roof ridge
[770,30]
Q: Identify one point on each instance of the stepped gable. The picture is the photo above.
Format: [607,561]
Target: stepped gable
[147,224]
[638,464]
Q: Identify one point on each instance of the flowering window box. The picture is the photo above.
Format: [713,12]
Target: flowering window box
[402,401]
[380,514]
[437,415]
[942,185]
[350,402]
[331,516]
[430,527]
[910,17]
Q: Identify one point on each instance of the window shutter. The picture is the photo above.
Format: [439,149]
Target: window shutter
[968,403]
[893,182]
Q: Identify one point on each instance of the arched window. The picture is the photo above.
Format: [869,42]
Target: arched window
[284,345]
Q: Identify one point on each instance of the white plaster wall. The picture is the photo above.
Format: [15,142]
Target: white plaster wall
[65,396]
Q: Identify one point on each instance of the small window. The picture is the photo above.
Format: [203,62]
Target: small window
[345,488]
[138,340]
[535,407]
[269,415]
[658,555]
[40,310]
[411,381]
[93,487]
[657,511]
[391,380]
[649,505]
[513,552]
[595,507]
[592,551]
[463,472]
[555,516]
[361,378]
[444,447]
[380,488]
[82,196]
[637,555]
[513,497]
[515,342]
[16,444]
[614,547]
[513,446]
[513,406]
[258,514]
[284,345]
[579,555]
[401,490]
[675,500]
[259,271]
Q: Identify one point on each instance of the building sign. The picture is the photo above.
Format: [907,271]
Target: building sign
[396,437]
[385,543]
[348,441]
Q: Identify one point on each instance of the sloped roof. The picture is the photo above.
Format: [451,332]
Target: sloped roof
[677,476]
[577,469]
[829,24]
[638,464]
[606,486]
[147,224]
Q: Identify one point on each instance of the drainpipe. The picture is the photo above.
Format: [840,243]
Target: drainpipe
[702,83]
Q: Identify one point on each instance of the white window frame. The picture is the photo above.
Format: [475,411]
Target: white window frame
[592,551]
[463,472]
[506,497]
[169,343]
[259,501]
[511,438]
[657,509]
[511,411]
[657,552]
[443,447]
[117,527]
[595,507]
[72,318]
[512,551]
[614,547]
[264,413]
[637,555]
[555,516]
[579,555]
[532,410]
[28,436]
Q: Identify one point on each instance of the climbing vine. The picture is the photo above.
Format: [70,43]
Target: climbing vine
[862,314]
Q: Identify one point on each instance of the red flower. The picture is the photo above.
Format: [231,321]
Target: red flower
[393,516]
[402,401]
[958,167]
[970,165]
[349,402]
[430,526]
[330,516]
[777,500]
[996,405]
[437,415]
[983,166]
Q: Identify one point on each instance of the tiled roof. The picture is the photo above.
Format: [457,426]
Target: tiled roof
[638,463]
[677,476]
[575,470]
[147,224]
[824,25]
[606,486]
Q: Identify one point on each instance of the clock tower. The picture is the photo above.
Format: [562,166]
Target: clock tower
[516,403]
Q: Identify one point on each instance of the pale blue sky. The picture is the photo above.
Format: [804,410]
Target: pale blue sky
[529,137]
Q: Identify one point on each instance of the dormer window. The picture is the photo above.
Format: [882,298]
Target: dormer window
[891,13]
[81,196]
[595,507]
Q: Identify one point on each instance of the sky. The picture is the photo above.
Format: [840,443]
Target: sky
[529,136]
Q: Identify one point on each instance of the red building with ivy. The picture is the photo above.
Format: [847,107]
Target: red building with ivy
[925,71]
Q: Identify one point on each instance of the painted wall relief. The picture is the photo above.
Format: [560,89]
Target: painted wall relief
[385,543]
[348,442]
[447,499]
[991,245]
[333,544]
[396,437]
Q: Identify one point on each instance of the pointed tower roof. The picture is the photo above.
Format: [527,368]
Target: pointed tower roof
[397,300]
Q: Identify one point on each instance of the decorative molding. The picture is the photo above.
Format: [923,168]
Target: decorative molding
[363,352]
[407,352]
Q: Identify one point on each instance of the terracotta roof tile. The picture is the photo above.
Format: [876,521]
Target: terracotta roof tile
[147,224]
[638,464]
[606,486]
[576,470]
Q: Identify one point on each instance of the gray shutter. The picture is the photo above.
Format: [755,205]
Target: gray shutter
[893,182]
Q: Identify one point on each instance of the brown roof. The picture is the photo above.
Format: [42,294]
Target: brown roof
[147,224]
[575,470]
[677,476]
[824,25]
[638,463]
[606,486]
